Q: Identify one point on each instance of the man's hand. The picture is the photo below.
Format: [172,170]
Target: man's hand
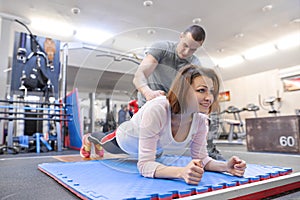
[151,94]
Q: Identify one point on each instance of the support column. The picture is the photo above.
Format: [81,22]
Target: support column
[92,97]
[5,38]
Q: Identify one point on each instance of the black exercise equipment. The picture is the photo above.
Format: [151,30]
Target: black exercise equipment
[35,78]
[33,73]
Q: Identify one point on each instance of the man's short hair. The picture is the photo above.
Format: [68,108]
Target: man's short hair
[197,32]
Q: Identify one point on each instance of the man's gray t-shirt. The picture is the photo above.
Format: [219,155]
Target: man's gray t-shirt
[168,65]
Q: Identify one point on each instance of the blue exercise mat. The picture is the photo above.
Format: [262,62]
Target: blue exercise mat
[115,179]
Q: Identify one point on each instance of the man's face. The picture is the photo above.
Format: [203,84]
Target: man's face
[187,46]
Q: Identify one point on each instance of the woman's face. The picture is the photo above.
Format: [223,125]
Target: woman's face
[203,89]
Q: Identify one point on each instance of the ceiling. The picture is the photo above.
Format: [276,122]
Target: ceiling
[110,66]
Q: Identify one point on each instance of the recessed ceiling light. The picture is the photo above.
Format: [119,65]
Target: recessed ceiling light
[221,50]
[267,8]
[75,10]
[148,3]
[197,20]
[239,35]
[151,31]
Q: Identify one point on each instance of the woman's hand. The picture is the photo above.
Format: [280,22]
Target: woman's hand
[192,173]
[236,166]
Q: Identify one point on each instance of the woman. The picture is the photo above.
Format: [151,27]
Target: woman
[171,122]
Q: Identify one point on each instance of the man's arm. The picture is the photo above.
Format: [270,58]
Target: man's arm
[144,70]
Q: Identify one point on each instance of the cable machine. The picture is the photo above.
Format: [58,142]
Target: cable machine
[35,73]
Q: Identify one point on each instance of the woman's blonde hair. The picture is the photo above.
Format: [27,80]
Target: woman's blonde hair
[181,85]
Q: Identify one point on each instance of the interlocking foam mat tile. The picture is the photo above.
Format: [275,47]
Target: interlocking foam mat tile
[114,179]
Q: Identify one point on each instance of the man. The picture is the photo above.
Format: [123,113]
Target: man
[122,114]
[157,70]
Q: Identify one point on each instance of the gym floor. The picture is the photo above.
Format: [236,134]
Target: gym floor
[21,179]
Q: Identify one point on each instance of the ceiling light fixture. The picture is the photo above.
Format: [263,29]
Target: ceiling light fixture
[239,35]
[49,26]
[75,10]
[267,8]
[92,36]
[221,50]
[151,31]
[148,3]
[289,41]
[259,51]
[230,61]
[197,20]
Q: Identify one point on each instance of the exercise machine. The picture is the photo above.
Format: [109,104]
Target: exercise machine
[236,125]
[217,125]
[273,102]
[252,108]
[35,73]
[39,70]
[36,112]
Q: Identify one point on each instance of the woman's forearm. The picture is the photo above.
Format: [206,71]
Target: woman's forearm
[163,171]
[218,166]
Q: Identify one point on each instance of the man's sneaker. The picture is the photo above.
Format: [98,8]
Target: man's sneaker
[213,152]
[85,150]
[216,155]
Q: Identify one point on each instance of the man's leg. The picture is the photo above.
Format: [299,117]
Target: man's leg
[213,131]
